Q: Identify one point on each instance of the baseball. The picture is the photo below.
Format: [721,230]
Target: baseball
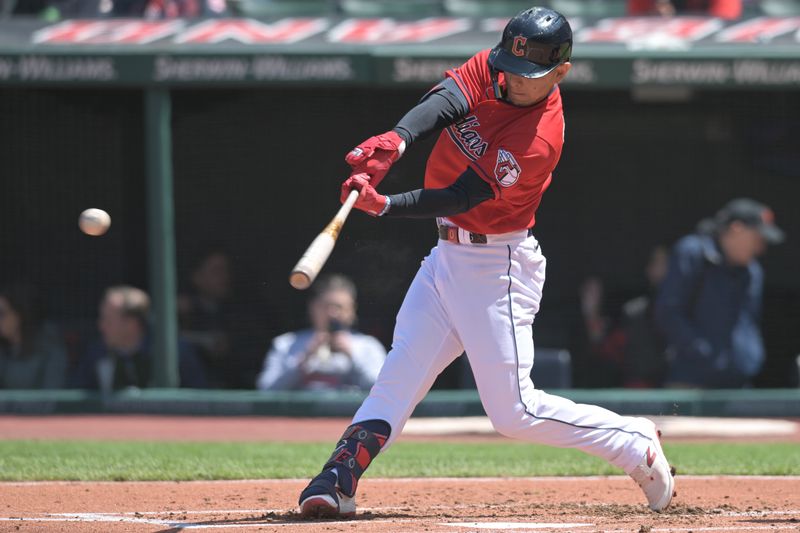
[94,222]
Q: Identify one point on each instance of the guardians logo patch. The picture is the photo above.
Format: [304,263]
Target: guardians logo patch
[506,170]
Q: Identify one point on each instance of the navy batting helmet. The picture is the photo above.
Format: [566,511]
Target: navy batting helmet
[533,43]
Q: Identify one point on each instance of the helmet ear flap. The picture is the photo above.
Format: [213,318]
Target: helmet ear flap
[495,75]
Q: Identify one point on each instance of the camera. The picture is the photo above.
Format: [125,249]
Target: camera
[335,325]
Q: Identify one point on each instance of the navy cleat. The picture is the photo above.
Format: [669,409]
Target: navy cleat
[323,499]
[332,493]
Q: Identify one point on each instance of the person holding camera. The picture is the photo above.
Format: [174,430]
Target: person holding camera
[331,355]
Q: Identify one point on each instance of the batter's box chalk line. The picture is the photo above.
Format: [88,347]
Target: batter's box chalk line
[151,518]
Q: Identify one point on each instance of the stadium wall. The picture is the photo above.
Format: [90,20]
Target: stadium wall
[634,173]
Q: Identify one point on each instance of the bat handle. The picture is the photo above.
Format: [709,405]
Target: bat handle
[349,203]
[309,265]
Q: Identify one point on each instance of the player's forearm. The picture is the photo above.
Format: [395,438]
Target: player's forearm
[427,203]
[440,107]
[467,192]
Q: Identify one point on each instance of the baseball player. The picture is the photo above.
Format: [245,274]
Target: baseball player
[479,289]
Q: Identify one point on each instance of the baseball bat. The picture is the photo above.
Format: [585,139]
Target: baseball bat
[312,260]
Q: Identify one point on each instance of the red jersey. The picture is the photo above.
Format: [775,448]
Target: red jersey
[514,149]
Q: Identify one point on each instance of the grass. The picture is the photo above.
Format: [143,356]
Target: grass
[127,461]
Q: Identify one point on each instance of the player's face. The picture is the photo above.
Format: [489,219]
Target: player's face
[657,266]
[743,244]
[116,328]
[528,91]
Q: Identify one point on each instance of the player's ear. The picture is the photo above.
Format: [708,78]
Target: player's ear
[561,71]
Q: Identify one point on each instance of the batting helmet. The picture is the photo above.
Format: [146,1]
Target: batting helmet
[533,43]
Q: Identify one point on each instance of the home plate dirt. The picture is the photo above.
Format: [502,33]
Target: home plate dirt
[610,504]
[476,505]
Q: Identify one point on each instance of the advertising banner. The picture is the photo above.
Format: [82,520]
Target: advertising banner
[612,53]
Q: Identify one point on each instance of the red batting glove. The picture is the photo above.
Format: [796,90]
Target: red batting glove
[376,155]
[369,200]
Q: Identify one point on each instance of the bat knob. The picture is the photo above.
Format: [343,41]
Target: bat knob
[299,280]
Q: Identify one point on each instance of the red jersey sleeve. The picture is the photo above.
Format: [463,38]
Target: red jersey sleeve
[473,78]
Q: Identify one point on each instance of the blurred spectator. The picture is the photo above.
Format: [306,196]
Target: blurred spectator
[207,317]
[121,359]
[645,357]
[54,10]
[709,304]
[32,352]
[165,9]
[726,9]
[797,367]
[331,355]
[598,342]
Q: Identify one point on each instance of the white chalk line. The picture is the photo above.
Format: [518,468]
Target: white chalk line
[97,517]
[721,528]
[138,518]
[711,512]
[532,526]
[515,525]
[116,518]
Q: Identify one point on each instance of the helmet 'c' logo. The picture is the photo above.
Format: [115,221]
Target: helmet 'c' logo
[518,49]
[506,170]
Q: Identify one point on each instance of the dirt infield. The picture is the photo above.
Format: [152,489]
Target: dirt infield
[252,429]
[610,504]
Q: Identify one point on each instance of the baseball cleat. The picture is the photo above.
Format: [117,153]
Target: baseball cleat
[654,474]
[327,506]
[323,499]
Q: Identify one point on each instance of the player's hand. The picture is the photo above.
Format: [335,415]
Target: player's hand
[375,156]
[369,200]
[342,342]
[315,343]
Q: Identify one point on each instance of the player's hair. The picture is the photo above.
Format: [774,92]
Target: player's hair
[333,282]
[133,302]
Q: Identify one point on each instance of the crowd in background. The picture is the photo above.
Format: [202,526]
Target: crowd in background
[695,325]
[160,9]
[698,324]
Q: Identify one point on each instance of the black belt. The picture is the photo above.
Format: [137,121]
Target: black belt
[450,233]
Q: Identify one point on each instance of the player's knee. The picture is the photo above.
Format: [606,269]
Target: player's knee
[508,424]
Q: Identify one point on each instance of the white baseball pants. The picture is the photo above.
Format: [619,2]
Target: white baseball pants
[482,299]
